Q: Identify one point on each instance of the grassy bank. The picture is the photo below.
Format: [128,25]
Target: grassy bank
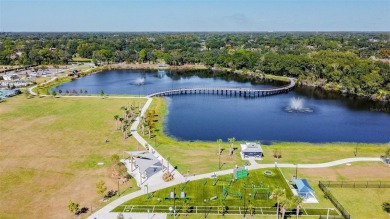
[205,158]
[50,148]
[44,88]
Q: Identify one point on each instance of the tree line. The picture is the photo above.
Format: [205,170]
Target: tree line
[345,62]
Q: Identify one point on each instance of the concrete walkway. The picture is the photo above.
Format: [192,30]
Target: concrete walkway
[30,89]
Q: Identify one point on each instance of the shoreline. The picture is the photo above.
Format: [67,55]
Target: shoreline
[250,75]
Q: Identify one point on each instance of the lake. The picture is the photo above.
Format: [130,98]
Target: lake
[328,117]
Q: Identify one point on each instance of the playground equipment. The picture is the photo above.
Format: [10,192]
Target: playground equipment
[229,192]
[240,173]
[261,192]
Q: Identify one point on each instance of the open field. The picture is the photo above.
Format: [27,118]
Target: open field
[50,148]
[349,198]
[206,160]
[363,203]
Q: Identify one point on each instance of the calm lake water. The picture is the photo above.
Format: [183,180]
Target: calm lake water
[209,117]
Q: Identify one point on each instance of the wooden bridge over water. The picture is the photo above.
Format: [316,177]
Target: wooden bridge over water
[245,92]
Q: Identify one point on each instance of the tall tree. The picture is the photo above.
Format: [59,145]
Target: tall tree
[231,141]
[297,201]
[116,117]
[278,194]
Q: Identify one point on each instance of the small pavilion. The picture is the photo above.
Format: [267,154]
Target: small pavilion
[251,150]
[145,165]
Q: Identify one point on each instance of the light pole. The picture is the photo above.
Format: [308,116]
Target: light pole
[250,205]
[296,171]
[174,203]
[205,215]
[219,160]
[118,188]
[244,201]
[170,210]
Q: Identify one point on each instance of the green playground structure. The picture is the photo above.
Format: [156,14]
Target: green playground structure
[229,192]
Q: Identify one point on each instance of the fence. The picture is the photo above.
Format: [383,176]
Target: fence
[337,204]
[223,210]
[357,184]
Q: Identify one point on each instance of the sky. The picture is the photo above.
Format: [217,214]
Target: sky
[193,15]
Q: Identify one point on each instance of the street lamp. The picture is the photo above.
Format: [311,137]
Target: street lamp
[244,200]
[205,215]
[296,171]
[118,188]
[170,210]
[174,202]
[219,160]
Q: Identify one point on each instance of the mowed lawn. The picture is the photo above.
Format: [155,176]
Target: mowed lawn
[50,148]
[199,190]
[363,203]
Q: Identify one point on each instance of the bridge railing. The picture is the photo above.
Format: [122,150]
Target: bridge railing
[291,85]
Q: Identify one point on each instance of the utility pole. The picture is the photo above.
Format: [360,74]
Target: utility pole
[118,187]
[174,202]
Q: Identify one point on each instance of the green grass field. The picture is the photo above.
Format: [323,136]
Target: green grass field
[363,203]
[50,148]
[199,190]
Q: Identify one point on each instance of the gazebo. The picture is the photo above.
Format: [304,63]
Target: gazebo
[147,164]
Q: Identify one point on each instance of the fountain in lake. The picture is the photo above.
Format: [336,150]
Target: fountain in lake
[139,81]
[296,105]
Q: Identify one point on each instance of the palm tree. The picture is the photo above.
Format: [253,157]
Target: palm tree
[231,141]
[278,194]
[124,109]
[116,117]
[143,122]
[121,120]
[151,127]
[124,131]
[284,204]
[219,141]
[297,201]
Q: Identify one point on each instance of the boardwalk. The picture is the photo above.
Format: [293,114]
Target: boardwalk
[245,92]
